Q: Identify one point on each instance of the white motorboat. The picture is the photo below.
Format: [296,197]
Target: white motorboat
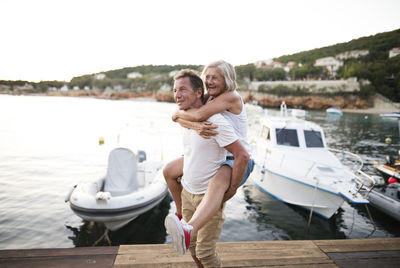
[334,110]
[294,165]
[394,115]
[129,189]
[298,112]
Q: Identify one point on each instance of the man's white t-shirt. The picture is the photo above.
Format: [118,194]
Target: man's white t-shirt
[203,157]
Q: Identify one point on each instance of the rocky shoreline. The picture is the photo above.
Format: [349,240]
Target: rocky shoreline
[350,103]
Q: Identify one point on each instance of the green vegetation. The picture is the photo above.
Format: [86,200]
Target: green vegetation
[377,67]
[41,86]
[153,77]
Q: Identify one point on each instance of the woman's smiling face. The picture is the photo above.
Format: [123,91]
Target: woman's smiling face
[215,81]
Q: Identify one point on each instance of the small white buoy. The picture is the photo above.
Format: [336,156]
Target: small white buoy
[388,140]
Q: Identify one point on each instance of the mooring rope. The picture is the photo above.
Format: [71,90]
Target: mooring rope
[312,207]
[371,219]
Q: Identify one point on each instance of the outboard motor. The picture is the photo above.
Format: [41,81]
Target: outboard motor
[141,156]
[390,160]
[379,181]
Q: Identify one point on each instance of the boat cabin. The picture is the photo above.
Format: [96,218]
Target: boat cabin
[292,132]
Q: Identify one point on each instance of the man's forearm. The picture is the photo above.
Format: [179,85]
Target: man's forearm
[185,123]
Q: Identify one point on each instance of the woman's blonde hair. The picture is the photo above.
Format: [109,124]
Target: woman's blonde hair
[227,71]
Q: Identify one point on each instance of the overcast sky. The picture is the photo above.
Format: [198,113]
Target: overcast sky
[60,39]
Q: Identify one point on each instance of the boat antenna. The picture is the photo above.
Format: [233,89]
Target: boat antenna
[283,109]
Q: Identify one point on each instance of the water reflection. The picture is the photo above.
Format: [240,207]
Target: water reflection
[148,228]
[381,220]
[290,221]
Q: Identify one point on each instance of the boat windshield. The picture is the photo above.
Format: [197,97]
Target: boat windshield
[287,137]
[313,138]
[265,133]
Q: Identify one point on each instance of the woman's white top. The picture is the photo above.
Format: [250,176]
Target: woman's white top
[239,124]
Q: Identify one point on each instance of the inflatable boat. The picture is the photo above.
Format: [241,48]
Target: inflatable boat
[130,188]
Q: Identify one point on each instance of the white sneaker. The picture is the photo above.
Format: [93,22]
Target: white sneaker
[179,232]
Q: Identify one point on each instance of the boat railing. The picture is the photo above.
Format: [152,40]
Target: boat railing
[363,180]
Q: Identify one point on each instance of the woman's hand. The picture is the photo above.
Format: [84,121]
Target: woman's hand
[175,116]
[229,193]
[205,129]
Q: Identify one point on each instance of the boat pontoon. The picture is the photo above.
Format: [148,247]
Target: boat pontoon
[129,189]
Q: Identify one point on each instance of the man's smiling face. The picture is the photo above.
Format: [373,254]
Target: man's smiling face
[184,94]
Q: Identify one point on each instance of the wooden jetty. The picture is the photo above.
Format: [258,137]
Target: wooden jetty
[375,252]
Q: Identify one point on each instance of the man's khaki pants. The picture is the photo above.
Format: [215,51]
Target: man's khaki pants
[203,244]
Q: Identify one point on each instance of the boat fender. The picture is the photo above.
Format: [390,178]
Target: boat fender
[68,196]
[392,180]
[103,196]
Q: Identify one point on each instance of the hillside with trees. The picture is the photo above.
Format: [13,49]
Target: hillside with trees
[382,72]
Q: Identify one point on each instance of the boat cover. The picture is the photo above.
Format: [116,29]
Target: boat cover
[121,175]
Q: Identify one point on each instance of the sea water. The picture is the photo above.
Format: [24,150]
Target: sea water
[49,144]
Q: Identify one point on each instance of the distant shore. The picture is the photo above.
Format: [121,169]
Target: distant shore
[351,104]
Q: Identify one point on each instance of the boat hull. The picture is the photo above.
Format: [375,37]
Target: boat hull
[114,219]
[288,190]
[387,205]
[117,211]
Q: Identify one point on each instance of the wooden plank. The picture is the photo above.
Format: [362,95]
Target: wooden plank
[310,262]
[349,245]
[390,254]
[101,261]
[42,252]
[232,254]
[224,246]
[319,265]
[382,259]
[299,254]
[60,258]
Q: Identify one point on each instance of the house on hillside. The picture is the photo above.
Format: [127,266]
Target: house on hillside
[330,63]
[26,88]
[134,75]
[64,88]
[267,64]
[273,64]
[173,73]
[99,76]
[290,65]
[261,63]
[352,54]
[394,52]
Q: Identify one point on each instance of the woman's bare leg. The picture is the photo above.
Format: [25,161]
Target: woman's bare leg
[212,199]
[172,171]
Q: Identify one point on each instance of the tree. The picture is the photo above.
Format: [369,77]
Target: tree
[245,71]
